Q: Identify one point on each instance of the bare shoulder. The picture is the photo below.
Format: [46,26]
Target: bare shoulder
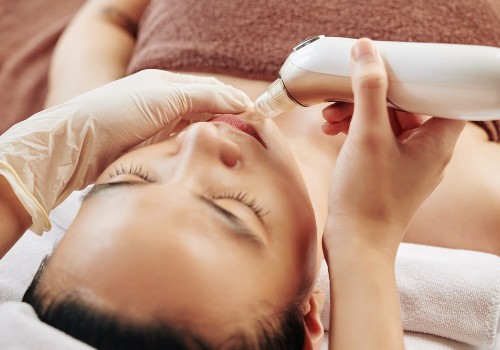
[463,212]
[123,13]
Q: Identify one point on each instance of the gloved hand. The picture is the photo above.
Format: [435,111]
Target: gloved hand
[66,147]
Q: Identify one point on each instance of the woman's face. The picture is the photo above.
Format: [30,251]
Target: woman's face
[212,224]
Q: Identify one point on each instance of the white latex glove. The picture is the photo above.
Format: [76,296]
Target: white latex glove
[66,147]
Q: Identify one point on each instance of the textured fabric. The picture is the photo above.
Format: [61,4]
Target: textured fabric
[450,293]
[252,39]
[420,341]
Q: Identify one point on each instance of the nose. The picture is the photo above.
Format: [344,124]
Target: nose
[204,144]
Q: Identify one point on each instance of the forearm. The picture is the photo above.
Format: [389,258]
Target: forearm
[15,219]
[365,304]
[94,50]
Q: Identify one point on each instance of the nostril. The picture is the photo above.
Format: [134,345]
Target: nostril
[230,161]
[230,153]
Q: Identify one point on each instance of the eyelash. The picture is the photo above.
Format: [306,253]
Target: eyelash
[241,196]
[244,198]
[130,169]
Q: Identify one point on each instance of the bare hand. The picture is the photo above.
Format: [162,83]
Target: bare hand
[389,163]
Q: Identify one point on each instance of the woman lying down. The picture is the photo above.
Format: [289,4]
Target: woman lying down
[211,238]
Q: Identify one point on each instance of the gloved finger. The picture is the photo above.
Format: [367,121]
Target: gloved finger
[198,117]
[338,111]
[195,79]
[206,98]
[163,134]
[172,77]
[369,84]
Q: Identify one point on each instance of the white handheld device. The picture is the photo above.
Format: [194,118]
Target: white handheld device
[445,80]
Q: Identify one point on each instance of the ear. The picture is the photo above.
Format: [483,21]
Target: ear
[312,320]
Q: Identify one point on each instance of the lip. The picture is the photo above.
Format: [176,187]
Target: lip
[241,125]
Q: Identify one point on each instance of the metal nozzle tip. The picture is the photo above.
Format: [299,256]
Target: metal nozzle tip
[274,101]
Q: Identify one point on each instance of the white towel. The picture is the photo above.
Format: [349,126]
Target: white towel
[20,329]
[451,293]
[421,341]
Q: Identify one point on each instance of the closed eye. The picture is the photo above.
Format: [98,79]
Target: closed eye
[130,169]
[239,225]
[244,198]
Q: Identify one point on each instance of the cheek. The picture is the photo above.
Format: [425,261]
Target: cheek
[295,223]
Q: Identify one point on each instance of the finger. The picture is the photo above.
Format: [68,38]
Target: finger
[198,117]
[336,128]
[338,111]
[409,121]
[369,84]
[393,120]
[206,98]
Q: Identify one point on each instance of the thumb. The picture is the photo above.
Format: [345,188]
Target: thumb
[369,85]
[210,98]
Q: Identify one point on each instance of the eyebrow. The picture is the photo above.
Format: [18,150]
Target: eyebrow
[241,228]
[238,225]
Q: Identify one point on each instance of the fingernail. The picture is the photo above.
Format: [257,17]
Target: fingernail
[363,49]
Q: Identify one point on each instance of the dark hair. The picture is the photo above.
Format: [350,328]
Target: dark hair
[103,330]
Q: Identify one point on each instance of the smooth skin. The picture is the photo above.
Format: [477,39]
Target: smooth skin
[101,53]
